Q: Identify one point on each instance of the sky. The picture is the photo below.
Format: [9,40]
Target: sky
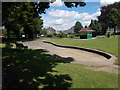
[60,17]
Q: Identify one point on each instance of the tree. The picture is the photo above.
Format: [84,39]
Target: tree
[37,25]
[105,10]
[113,19]
[9,16]
[44,32]
[85,26]
[22,15]
[77,27]
[96,26]
[74,4]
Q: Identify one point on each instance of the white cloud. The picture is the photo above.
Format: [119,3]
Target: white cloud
[56,13]
[63,19]
[86,23]
[93,16]
[58,24]
[64,26]
[87,19]
[105,2]
[57,3]
[82,15]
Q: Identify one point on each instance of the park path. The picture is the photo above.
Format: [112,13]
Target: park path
[90,60]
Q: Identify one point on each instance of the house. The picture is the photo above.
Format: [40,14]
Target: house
[58,32]
[86,33]
[111,30]
[69,31]
[51,30]
[118,30]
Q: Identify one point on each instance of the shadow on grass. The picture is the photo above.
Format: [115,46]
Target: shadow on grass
[32,68]
[15,39]
[70,59]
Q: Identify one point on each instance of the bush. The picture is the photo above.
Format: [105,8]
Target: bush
[62,35]
[77,35]
[72,36]
[83,36]
[94,34]
[49,36]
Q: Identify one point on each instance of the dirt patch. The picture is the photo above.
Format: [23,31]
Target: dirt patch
[110,69]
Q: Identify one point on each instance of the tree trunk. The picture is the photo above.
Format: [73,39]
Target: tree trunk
[17,36]
[8,34]
[114,30]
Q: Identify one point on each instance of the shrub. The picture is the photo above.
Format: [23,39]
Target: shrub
[49,36]
[62,35]
[72,36]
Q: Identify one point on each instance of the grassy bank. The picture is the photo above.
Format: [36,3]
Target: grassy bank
[37,69]
[109,45]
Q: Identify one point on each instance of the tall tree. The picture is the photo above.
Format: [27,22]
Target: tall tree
[18,15]
[105,10]
[37,26]
[22,14]
[77,27]
[74,4]
[113,19]
[96,26]
[9,16]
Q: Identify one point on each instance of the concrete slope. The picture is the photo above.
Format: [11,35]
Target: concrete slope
[79,56]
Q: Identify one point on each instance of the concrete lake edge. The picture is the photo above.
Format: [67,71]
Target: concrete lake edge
[104,54]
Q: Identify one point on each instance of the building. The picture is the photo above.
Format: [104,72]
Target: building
[111,30]
[51,30]
[86,33]
[69,31]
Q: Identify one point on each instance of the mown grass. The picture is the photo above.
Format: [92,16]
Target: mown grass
[84,78]
[109,45]
[37,69]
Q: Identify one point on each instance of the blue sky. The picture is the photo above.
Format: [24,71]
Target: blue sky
[60,17]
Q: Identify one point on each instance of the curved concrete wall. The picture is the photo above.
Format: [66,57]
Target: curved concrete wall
[106,55]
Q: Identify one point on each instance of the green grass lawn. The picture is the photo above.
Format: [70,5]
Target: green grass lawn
[35,68]
[109,45]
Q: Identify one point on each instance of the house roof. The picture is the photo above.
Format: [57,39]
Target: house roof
[86,29]
[70,30]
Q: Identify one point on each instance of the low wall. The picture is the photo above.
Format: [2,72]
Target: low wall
[106,55]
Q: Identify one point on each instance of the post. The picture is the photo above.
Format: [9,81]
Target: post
[0,48]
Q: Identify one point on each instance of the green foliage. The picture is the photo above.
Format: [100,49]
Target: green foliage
[77,35]
[44,32]
[49,35]
[72,36]
[18,15]
[113,18]
[77,27]
[3,32]
[22,15]
[74,4]
[109,16]
[95,25]
[10,17]
[62,35]
[37,26]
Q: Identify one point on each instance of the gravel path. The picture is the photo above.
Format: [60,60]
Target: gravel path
[100,63]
